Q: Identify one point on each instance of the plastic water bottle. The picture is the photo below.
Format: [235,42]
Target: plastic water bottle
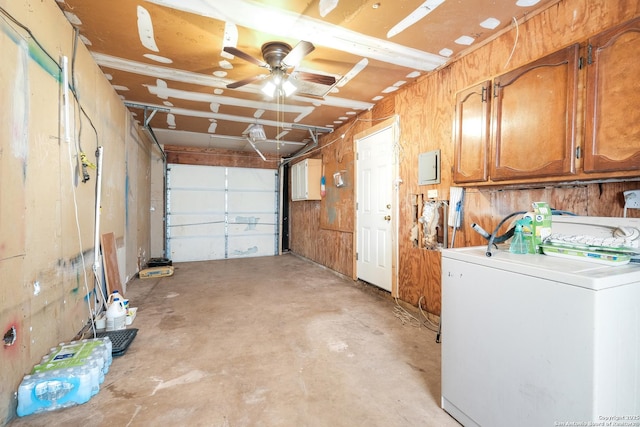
[51,390]
[108,352]
[69,375]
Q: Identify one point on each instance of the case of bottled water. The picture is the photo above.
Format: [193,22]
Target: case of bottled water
[69,375]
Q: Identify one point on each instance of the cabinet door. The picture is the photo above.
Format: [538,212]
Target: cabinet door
[612,137]
[305,180]
[471,134]
[534,118]
[297,190]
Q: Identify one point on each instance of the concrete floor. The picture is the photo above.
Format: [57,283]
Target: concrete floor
[274,341]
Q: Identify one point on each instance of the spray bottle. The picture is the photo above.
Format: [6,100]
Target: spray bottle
[519,244]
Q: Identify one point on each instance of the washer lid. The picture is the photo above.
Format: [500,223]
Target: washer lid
[584,274]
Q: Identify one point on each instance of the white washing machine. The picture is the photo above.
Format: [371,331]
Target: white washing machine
[535,340]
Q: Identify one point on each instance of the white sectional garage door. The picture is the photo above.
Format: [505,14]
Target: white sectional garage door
[216,212]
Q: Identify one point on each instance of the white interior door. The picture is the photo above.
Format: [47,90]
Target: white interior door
[216,212]
[374,167]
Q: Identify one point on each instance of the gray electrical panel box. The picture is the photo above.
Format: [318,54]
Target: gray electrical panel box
[429,168]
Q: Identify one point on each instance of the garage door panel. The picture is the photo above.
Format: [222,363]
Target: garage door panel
[251,202]
[252,225]
[197,225]
[250,246]
[218,212]
[183,200]
[194,176]
[251,179]
[197,249]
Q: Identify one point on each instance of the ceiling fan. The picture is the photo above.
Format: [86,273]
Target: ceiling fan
[279,58]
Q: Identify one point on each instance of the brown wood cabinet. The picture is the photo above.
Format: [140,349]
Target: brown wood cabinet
[521,126]
[612,135]
[533,119]
[471,133]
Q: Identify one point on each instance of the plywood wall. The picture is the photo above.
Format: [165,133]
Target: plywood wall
[426,111]
[323,230]
[47,213]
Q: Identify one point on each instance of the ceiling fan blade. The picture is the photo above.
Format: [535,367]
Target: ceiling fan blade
[315,78]
[301,50]
[240,54]
[243,82]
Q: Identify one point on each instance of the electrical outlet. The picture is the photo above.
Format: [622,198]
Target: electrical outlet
[432,194]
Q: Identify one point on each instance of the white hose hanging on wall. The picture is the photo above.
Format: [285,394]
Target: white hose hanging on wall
[65,99]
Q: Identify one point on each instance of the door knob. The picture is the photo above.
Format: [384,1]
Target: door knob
[387,217]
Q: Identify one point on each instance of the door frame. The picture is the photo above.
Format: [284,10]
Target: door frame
[394,124]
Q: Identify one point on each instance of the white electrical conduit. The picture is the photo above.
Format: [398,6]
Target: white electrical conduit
[96,237]
[65,99]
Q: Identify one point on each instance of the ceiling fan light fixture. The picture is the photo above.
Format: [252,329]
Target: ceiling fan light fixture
[278,85]
[269,89]
[288,87]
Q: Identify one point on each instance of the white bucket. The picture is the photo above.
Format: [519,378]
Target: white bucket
[116,315]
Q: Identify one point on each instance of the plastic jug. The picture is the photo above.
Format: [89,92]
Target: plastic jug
[114,294]
[116,315]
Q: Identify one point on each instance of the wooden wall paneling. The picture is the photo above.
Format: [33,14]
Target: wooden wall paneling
[410,275]
[337,205]
[426,110]
[212,157]
[323,230]
[432,289]
[337,217]
[476,207]
[330,248]
[489,207]
[339,251]
[384,109]
[608,199]
[421,277]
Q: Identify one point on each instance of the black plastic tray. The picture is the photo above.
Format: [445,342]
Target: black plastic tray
[120,340]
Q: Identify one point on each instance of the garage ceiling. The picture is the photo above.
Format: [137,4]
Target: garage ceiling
[172,60]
